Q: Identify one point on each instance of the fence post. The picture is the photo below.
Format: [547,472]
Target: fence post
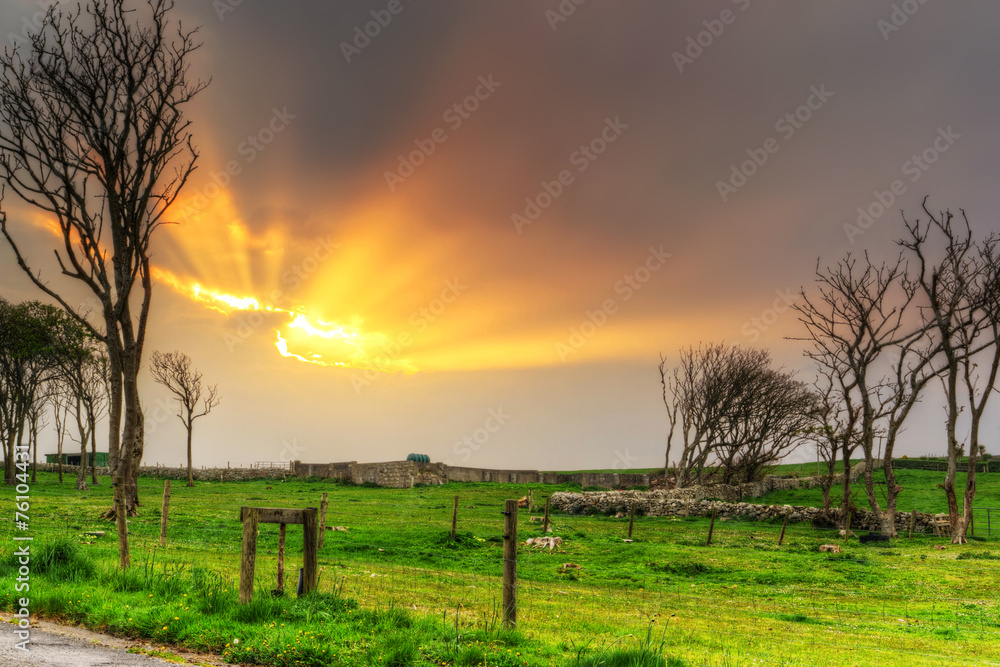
[847,528]
[781,538]
[972,522]
[124,560]
[309,551]
[531,501]
[510,564]
[545,521]
[711,528]
[913,522]
[322,520]
[163,513]
[248,557]
[631,519]
[454,519]
[281,557]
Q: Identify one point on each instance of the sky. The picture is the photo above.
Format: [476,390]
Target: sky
[470,228]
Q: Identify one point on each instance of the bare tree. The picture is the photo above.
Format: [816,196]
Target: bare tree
[866,337]
[60,420]
[85,378]
[92,133]
[834,434]
[729,406]
[958,279]
[173,370]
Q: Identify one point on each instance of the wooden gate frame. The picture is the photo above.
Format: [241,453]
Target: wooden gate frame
[251,517]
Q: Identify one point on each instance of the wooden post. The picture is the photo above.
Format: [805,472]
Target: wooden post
[711,528]
[281,557]
[510,565]
[248,559]
[531,501]
[913,522]
[454,519]
[781,538]
[545,521]
[164,512]
[310,569]
[847,528]
[124,560]
[322,519]
[631,519]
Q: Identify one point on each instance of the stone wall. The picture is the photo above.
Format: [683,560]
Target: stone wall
[164,472]
[404,474]
[668,503]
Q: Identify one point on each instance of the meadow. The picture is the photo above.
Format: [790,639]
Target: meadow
[395,590]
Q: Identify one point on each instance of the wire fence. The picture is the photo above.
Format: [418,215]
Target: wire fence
[735,600]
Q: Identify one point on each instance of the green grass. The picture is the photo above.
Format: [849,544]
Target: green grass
[919,493]
[395,590]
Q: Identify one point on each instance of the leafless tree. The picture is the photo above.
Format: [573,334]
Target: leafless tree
[85,380]
[37,421]
[958,280]
[60,420]
[835,436]
[865,335]
[730,406]
[93,134]
[173,370]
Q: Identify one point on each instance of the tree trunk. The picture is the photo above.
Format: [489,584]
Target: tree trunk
[34,451]
[961,527]
[892,490]
[93,450]
[190,473]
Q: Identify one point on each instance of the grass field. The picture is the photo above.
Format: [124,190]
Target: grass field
[396,591]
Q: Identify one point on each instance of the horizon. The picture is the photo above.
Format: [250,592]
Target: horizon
[471,230]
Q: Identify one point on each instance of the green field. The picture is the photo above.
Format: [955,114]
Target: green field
[396,591]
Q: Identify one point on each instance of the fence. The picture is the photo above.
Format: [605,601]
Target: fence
[740,600]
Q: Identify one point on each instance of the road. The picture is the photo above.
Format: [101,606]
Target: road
[54,645]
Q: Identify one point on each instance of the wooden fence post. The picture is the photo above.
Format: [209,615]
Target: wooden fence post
[711,528]
[454,519]
[531,501]
[913,522]
[164,512]
[309,550]
[545,521]
[510,565]
[281,558]
[124,559]
[781,538]
[631,519]
[322,520]
[248,558]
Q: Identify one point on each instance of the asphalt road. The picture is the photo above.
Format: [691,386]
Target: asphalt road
[58,646]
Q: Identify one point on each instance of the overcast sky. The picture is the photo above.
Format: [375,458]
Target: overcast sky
[508,210]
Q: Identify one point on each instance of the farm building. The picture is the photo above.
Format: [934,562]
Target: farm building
[74,459]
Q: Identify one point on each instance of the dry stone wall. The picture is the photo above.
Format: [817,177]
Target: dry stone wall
[667,503]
